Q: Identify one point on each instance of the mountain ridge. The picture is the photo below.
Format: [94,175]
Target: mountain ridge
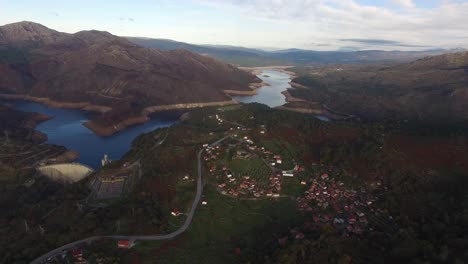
[255,57]
[101,69]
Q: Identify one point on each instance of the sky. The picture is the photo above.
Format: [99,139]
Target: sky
[269,24]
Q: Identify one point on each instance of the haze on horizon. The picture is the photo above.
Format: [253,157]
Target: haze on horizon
[305,24]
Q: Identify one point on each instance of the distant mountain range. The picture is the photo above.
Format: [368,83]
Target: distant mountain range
[256,57]
[99,71]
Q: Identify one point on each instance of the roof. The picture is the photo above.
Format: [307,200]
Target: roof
[123,244]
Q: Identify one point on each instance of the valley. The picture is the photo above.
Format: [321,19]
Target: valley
[277,132]
[345,190]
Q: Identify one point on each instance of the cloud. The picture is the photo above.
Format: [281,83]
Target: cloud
[405,3]
[383,42]
[131,19]
[328,21]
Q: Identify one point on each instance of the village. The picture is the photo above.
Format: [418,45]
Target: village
[331,202]
[240,166]
[245,170]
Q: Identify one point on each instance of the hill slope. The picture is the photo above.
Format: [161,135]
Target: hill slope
[431,89]
[109,73]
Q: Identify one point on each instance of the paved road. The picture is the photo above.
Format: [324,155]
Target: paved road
[179,231]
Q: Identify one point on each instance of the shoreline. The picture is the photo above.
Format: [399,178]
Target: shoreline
[290,98]
[56,104]
[253,86]
[109,130]
[258,70]
[38,137]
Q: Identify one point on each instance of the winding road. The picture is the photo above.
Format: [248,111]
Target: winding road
[182,229]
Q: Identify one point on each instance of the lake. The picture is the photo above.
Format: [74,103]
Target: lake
[271,95]
[66,129]
[66,126]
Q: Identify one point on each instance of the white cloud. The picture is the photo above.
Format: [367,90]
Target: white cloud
[405,3]
[327,21]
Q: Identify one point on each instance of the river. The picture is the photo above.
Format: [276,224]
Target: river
[66,129]
[271,94]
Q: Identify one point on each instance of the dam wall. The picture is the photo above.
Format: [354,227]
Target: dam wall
[67,172]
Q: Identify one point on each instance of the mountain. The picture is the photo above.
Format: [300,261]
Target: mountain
[431,89]
[27,32]
[96,70]
[255,57]
[231,54]
[352,57]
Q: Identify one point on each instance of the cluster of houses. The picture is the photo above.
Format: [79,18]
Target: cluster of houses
[211,153]
[331,202]
[245,186]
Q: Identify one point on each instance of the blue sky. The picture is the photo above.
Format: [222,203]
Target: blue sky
[309,24]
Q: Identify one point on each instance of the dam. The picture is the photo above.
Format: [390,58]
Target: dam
[66,172]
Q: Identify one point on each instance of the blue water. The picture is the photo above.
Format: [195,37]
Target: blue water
[323,118]
[66,129]
[270,95]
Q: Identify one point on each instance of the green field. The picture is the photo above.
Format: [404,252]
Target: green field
[283,148]
[255,168]
[221,226]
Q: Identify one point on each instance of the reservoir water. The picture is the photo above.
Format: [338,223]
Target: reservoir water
[270,95]
[66,129]
[66,126]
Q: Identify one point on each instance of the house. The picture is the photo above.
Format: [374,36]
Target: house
[124,244]
[175,212]
[300,235]
[77,253]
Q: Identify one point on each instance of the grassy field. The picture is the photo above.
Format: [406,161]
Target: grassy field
[293,187]
[283,148]
[255,168]
[220,227]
